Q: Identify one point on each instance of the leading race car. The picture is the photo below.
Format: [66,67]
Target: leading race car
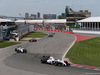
[53,61]
[50,35]
[33,40]
[20,49]
[59,62]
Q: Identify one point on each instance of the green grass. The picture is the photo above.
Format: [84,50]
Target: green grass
[7,44]
[36,35]
[86,52]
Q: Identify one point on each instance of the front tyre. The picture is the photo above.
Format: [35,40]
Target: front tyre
[67,63]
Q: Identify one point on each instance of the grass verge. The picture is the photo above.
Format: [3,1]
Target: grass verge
[86,52]
[36,35]
[7,44]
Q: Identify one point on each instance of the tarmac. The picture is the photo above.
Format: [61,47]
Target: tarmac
[12,63]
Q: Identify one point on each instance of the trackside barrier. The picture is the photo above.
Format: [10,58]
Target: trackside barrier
[1,37]
[53,30]
[24,30]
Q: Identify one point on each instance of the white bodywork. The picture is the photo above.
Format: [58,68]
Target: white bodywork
[20,49]
[51,60]
[60,61]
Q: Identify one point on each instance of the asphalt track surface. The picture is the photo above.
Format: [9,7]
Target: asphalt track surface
[12,63]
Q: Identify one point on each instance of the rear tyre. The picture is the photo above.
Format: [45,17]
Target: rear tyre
[56,64]
[18,51]
[25,51]
[15,49]
[43,60]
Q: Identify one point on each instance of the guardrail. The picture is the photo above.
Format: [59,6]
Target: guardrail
[24,30]
[53,30]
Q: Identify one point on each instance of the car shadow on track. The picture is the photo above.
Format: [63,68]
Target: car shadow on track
[29,62]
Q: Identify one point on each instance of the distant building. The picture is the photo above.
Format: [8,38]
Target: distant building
[49,16]
[38,15]
[63,14]
[33,16]
[72,17]
[89,25]
[26,15]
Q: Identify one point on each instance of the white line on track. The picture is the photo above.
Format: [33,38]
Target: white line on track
[69,48]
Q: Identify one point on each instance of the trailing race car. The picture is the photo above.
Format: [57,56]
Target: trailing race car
[53,61]
[47,60]
[33,40]
[19,49]
[50,35]
[44,59]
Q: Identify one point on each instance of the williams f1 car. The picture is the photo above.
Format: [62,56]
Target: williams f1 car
[20,49]
[53,61]
[59,62]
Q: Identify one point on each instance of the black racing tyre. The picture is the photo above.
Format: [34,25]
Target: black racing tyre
[35,40]
[43,60]
[25,51]
[29,40]
[56,64]
[15,49]
[52,63]
[67,63]
[18,51]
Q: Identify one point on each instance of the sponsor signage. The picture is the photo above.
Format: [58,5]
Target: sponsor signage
[74,26]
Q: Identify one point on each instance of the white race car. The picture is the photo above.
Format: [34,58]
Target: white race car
[20,49]
[59,62]
[53,61]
